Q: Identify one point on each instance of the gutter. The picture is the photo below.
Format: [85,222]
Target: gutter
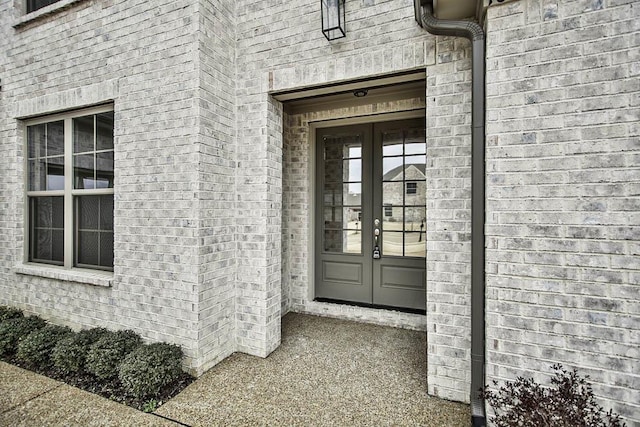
[475,33]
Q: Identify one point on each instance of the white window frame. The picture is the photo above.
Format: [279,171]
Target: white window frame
[69,192]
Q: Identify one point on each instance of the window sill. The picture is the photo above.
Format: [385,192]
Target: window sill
[47,10]
[88,277]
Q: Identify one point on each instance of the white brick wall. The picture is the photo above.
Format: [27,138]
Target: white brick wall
[143,57]
[563,107]
[449,220]
[216,178]
[199,226]
[211,193]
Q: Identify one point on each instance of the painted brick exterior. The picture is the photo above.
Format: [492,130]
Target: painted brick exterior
[213,179]
[144,58]
[216,182]
[563,174]
[449,220]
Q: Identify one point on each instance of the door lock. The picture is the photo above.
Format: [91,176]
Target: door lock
[376,233]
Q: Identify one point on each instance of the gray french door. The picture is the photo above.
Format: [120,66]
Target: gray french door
[371,214]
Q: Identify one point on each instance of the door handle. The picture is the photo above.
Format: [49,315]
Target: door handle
[376,233]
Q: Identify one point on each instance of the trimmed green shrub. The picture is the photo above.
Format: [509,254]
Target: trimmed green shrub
[7,313]
[15,330]
[70,353]
[35,349]
[149,368]
[105,355]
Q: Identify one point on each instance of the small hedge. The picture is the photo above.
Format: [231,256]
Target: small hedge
[105,355]
[13,331]
[115,365]
[35,349]
[149,368]
[70,353]
[7,313]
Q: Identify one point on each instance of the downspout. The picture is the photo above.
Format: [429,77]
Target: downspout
[475,34]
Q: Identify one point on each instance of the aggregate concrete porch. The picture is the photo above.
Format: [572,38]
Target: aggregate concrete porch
[326,372]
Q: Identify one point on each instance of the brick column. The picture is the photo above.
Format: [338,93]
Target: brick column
[259,223]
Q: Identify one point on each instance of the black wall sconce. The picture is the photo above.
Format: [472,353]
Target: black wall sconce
[333,19]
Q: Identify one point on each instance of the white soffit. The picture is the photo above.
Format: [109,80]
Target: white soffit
[377,94]
[349,86]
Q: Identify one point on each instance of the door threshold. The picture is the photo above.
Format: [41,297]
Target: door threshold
[374,306]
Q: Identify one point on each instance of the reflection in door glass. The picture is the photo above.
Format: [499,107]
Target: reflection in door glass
[392,169]
[392,194]
[404,193]
[414,244]
[392,143]
[343,241]
[342,194]
[392,244]
[351,195]
[352,170]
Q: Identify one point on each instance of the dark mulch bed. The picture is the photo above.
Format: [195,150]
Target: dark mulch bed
[111,390]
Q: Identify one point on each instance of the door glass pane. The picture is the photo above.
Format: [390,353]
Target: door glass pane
[343,241]
[352,194]
[414,218]
[393,193]
[418,160]
[353,150]
[414,245]
[415,142]
[392,222]
[352,171]
[392,169]
[352,216]
[392,143]
[332,218]
[404,192]
[342,193]
[392,244]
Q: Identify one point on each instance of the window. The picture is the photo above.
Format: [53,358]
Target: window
[412,187]
[388,210]
[33,5]
[70,189]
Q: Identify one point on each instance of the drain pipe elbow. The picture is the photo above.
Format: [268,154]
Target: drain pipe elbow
[475,33]
[442,27]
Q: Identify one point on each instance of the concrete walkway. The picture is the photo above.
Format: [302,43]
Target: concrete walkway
[327,372]
[29,399]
